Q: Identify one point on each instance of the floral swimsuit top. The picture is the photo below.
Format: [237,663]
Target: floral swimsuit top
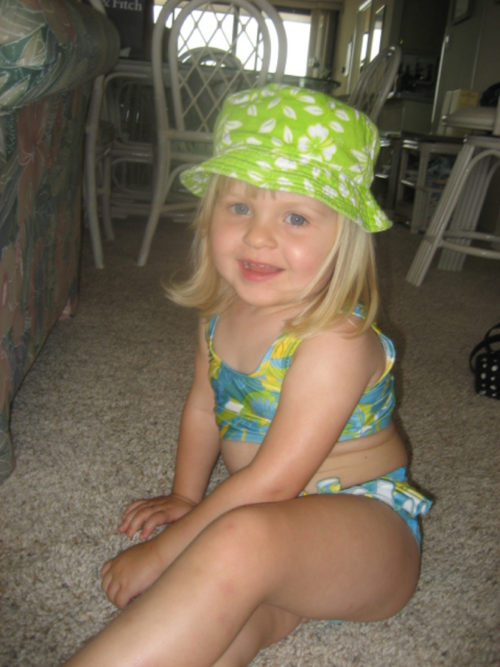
[245,404]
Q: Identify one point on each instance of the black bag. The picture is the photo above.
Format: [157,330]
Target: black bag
[486,366]
[490,96]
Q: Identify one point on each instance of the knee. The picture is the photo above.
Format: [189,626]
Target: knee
[243,535]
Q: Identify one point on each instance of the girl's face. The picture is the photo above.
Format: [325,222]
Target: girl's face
[270,246]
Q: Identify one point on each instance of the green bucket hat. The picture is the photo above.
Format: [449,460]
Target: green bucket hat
[295,140]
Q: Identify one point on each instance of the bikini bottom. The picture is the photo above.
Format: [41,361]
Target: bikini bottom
[392,489]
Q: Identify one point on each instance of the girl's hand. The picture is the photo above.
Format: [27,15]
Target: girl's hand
[154,512]
[129,574]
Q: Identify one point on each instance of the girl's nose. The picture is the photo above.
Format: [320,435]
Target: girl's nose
[260,234]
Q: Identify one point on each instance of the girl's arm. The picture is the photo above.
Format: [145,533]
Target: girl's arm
[199,443]
[328,375]
[197,451]
[320,392]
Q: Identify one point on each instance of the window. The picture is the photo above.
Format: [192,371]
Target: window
[378,28]
[363,32]
[298,31]
[364,49]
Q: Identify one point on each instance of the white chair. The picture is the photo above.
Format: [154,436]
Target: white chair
[375,83]
[129,105]
[107,146]
[98,139]
[214,49]
[453,225]
[370,94]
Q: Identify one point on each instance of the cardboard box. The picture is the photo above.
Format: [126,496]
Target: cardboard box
[453,100]
[462,97]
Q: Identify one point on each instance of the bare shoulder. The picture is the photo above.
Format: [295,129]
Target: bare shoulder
[328,375]
[344,350]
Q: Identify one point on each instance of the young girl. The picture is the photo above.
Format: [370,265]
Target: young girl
[293,386]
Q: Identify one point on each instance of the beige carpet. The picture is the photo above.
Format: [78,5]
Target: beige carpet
[95,425]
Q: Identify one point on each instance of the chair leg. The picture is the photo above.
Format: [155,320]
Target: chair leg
[393,175]
[467,212]
[421,203]
[437,226]
[91,210]
[90,170]
[163,182]
[106,199]
[151,226]
[95,234]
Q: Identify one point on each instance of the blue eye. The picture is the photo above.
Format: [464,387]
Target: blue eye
[296,220]
[240,209]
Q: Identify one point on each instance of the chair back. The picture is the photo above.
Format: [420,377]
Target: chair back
[214,49]
[375,83]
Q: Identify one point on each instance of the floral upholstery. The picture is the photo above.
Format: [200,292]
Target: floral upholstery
[50,52]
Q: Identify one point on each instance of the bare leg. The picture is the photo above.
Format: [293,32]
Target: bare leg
[339,557]
[266,626]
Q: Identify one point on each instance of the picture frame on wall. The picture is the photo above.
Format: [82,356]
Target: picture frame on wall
[462,10]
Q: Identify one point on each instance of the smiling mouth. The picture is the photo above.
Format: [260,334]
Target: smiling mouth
[260,268]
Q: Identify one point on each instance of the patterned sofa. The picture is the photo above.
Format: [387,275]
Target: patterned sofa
[50,52]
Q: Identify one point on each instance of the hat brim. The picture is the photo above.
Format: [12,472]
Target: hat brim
[342,194]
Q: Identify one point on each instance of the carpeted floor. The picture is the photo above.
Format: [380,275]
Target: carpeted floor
[95,424]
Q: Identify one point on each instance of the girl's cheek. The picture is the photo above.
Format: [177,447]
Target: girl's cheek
[220,242]
[310,259]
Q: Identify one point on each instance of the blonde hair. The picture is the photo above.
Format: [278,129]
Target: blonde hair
[347,277]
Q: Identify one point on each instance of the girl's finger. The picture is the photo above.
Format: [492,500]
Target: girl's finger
[157,519]
[133,506]
[136,523]
[105,568]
